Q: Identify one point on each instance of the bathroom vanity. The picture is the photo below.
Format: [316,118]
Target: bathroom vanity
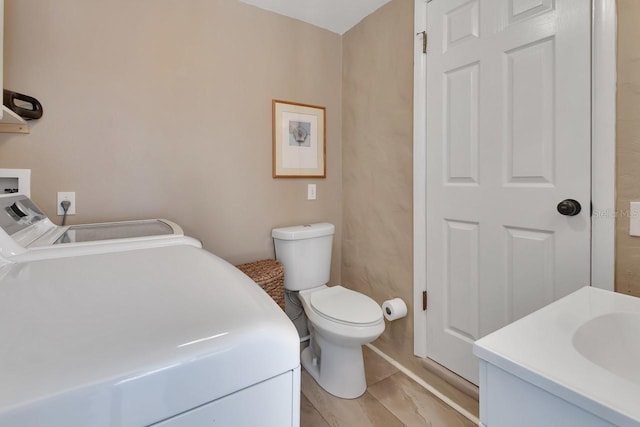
[572,364]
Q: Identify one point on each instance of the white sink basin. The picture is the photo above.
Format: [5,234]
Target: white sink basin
[583,349]
[612,341]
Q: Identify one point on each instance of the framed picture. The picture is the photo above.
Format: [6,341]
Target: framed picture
[299,140]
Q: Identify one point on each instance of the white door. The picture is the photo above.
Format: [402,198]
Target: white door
[508,138]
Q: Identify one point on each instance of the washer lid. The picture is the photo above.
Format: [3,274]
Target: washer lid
[344,305]
[111,333]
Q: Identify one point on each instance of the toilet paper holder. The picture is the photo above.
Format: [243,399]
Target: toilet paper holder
[394,309]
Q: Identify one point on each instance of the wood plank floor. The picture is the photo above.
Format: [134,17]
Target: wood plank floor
[392,399]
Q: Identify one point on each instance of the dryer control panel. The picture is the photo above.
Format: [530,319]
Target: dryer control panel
[18,213]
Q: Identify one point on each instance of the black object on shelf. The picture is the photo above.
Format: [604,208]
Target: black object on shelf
[28,108]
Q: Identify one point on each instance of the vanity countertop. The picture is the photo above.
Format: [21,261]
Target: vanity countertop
[583,348]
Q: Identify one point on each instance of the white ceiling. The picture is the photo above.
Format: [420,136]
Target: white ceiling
[337,16]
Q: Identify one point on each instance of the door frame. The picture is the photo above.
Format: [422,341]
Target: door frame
[603,157]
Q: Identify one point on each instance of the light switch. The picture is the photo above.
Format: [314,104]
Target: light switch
[634,219]
[311,192]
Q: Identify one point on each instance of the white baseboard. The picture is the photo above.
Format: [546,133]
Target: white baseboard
[424,384]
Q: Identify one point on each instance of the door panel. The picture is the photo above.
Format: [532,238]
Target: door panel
[530,114]
[460,24]
[461,137]
[461,278]
[508,137]
[529,264]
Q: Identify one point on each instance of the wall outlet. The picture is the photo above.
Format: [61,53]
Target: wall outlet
[71,197]
[311,192]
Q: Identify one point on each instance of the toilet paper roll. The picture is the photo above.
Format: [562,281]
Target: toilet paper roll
[394,309]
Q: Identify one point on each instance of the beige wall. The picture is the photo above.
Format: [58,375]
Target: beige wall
[628,145]
[377,105]
[163,108]
[160,110]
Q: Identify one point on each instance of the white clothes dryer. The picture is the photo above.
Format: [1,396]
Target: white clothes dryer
[26,233]
[170,336]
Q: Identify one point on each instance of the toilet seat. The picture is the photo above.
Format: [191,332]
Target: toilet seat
[338,304]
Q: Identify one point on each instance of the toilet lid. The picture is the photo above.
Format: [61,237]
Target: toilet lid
[344,305]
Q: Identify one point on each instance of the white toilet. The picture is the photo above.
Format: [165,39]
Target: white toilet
[340,321]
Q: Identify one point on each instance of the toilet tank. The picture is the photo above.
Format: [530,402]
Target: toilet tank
[305,253]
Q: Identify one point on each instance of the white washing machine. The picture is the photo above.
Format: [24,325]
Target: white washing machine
[26,233]
[167,336]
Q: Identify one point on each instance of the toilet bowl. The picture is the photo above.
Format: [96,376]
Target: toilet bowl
[339,320]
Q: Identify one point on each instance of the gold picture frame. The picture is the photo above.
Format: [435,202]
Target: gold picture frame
[299,140]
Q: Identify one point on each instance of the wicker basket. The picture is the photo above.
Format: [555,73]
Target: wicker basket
[269,274]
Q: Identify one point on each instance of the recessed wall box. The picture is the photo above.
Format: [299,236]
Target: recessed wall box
[15,181]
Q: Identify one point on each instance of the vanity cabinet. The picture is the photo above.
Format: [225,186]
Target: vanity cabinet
[508,401]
